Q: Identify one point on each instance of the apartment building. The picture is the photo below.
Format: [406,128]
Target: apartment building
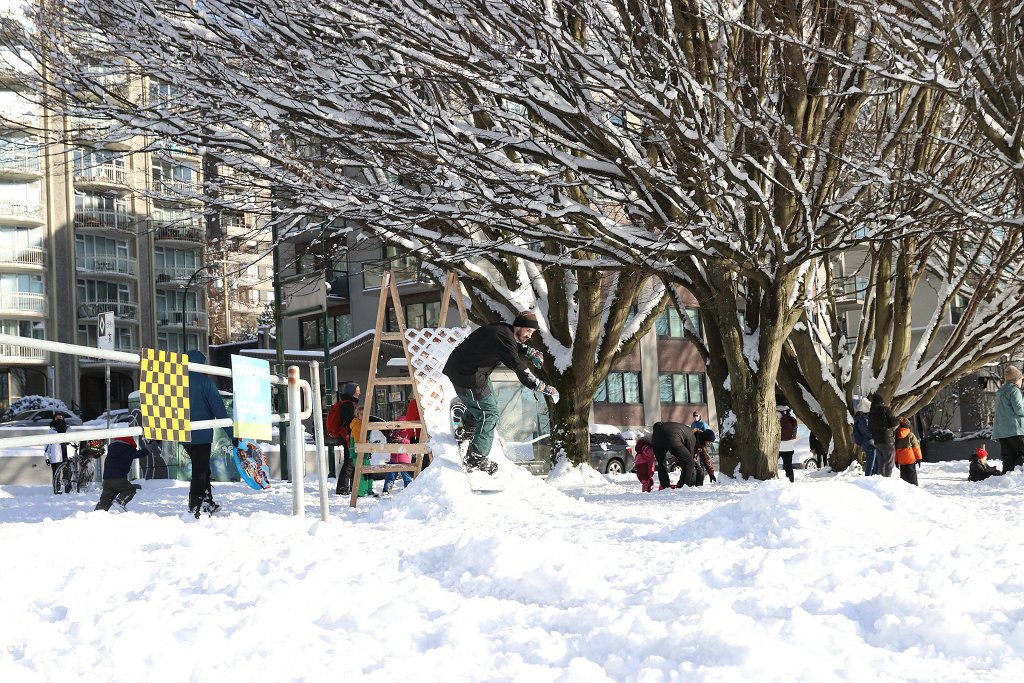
[87,228]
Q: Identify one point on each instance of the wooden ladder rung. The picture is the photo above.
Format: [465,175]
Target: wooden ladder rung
[384,469]
[392,447]
[396,424]
[392,380]
[392,336]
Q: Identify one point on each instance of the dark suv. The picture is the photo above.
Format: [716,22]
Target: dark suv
[609,453]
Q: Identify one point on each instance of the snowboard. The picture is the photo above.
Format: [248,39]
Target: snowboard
[252,465]
[463,429]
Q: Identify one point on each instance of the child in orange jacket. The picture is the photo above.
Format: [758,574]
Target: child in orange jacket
[908,451]
[644,462]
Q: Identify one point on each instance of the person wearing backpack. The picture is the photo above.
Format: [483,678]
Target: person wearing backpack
[787,443]
[862,437]
[338,426]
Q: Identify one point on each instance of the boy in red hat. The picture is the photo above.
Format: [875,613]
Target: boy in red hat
[980,469]
[116,486]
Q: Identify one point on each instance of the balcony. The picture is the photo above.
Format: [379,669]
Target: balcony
[194,319]
[850,289]
[187,232]
[17,212]
[12,353]
[122,310]
[176,276]
[102,220]
[20,163]
[23,302]
[11,255]
[110,265]
[180,190]
[102,176]
[118,346]
[406,272]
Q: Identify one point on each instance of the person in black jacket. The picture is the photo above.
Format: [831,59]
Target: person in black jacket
[678,439]
[881,424]
[348,401]
[60,425]
[980,470]
[469,367]
[116,486]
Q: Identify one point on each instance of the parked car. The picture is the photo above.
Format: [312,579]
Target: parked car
[609,453]
[41,418]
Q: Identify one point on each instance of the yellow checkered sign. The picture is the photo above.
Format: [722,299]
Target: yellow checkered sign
[164,396]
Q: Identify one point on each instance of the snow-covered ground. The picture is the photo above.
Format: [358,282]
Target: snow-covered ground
[584,578]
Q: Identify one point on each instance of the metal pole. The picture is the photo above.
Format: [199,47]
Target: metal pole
[295,442]
[278,329]
[106,378]
[318,434]
[328,366]
[184,299]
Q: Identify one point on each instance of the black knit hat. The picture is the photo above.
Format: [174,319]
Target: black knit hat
[526,319]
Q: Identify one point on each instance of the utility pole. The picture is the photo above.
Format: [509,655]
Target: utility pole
[279,333]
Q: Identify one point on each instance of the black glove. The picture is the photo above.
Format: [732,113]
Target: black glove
[713,478]
[918,464]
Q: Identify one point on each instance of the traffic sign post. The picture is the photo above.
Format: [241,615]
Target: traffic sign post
[105,341]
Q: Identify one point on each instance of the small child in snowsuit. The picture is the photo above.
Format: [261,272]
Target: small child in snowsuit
[644,462]
[398,458]
[116,487]
[908,451]
[980,469]
[701,456]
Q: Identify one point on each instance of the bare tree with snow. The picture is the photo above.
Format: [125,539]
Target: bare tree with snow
[713,144]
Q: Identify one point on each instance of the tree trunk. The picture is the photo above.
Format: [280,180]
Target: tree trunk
[570,428]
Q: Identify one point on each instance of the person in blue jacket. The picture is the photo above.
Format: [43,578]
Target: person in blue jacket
[116,487]
[205,403]
[862,437]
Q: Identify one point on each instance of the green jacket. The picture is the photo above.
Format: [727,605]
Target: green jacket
[1009,412]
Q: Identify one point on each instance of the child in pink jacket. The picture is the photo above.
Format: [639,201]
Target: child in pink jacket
[398,458]
[644,461]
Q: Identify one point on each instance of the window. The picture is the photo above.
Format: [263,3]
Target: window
[178,260]
[24,328]
[14,283]
[619,387]
[162,92]
[99,163]
[93,203]
[311,332]
[416,315]
[682,387]
[957,308]
[18,239]
[98,290]
[670,324]
[171,341]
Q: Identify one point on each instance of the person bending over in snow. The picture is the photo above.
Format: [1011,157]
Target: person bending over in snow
[470,365]
[644,462]
[116,487]
[678,439]
[980,469]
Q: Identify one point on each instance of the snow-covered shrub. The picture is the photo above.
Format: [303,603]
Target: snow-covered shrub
[939,434]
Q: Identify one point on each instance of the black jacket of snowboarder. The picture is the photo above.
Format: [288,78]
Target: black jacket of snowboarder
[881,423]
[471,363]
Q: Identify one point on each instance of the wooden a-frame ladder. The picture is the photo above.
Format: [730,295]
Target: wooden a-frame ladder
[389,289]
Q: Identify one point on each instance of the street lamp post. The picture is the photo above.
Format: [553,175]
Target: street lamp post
[184,300]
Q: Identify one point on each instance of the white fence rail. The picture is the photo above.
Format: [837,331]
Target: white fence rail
[300,406]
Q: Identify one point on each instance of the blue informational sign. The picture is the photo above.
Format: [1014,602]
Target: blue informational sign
[251,384]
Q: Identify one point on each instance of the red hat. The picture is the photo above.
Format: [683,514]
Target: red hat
[126,439]
[981,452]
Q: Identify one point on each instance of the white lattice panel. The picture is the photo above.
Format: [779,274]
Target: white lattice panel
[429,348]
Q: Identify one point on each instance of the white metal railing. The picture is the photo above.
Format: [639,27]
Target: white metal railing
[298,410]
[113,175]
[25,302]
[121,265]
[32,256]
[20,162]
[178,231]
[124,310]
[179,187]
[32,211]
[199,319]
[120,221]
[16,351]
[171,273]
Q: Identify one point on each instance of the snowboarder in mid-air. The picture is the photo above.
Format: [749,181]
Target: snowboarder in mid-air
[469,367]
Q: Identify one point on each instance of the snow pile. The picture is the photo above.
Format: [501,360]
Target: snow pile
[590,580]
